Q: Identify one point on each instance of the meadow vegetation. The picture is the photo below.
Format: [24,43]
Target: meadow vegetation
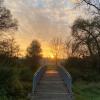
[84,49]
[16,73]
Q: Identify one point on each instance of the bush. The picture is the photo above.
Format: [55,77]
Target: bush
[26,77]
[15,80]
[86,90]
[82,69]
[10,83]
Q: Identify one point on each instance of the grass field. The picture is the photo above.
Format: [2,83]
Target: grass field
[86,91]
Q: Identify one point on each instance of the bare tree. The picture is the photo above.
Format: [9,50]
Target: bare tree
[86,32]
[93,5]
[13,48]
[6,20]
[68,48]
[8,46]
[74,49]
[9,51]
[57,48]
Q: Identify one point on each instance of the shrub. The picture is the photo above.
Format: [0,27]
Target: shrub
[82,69]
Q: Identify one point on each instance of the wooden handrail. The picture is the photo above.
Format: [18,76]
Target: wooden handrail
[67,78]
[36,78]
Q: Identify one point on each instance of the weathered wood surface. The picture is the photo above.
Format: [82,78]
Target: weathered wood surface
[51,87]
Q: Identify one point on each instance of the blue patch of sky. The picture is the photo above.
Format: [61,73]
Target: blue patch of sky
[39,4]
[69,4]
[53,4]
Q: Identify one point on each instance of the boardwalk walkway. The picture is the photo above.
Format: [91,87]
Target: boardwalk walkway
[51,87]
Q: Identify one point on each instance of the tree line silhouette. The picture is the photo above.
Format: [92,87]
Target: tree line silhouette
[84,45]
[16,73]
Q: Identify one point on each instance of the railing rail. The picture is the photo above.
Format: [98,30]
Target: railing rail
[36,78]
[67,78]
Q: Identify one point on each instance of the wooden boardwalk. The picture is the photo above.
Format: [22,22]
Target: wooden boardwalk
[51,87]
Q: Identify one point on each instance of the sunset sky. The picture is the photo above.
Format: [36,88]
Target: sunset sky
[43,20]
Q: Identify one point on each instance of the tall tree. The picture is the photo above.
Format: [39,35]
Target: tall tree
[87,32]
[7,22]
[34,54]
[9,74]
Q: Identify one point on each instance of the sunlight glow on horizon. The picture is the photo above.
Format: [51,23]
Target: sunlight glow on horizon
[47,54]
[46,50]
[42,20]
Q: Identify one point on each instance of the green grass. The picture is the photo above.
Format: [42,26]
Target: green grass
[5,98]
[86,90]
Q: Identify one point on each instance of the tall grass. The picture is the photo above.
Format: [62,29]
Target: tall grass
[86,91]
